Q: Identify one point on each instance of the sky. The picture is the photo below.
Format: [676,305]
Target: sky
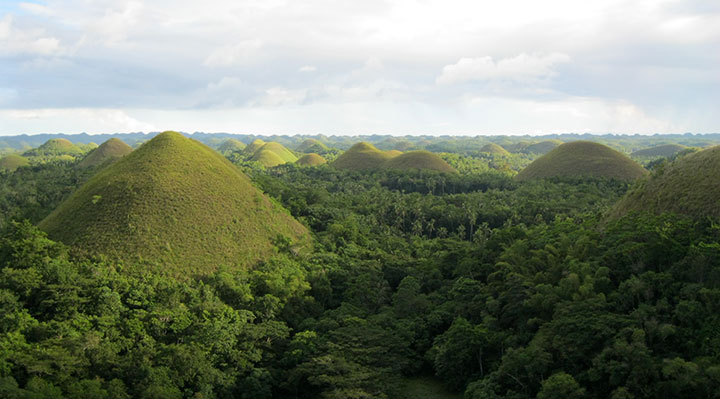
[341,67]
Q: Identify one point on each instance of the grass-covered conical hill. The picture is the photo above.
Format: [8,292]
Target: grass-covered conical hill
[311,159]
[54,147]
[420,159]
[252,148]
[108,151]
[267,158]
[310,146]
[13,161]
[175,206]
[583,158]
[394,153]
[279,149]
[542,147]
[690,185]
[231,145]
[664,151]
[361,156]
[493,148]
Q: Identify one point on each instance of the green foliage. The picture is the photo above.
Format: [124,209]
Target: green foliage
[583,158]
[177,206]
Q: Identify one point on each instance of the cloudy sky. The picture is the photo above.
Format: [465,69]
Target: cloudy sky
[359,67]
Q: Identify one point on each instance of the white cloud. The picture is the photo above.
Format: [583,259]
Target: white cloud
[523,68]
[307,68]
[242,52]
[91,120]
[31,41]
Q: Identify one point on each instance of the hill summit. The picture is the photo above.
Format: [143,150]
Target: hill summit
[108,151]
[53,148]
[310,146]
[493,148]
[176,206]
[689,186]
[361,156]
[420,159]
[583,158]
[311,159]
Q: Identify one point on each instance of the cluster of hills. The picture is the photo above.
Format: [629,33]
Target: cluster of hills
[365,156]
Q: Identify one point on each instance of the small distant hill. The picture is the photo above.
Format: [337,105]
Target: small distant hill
[361,156]
[273,154]
[252,148]
[493,148]
[311,159]
[542,147]
[664,151]
[420,159]
[54,147]
[583,158]
[108,151]
[690,185]
[312,146]
[173,206]
[231,145]
[13,161]
[394,153]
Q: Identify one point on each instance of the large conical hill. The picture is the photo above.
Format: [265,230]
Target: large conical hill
[664,151]
[108,151]
[420,159]
[175,206]
[13,161]
[583,159]
[311,159]
[361,156]
[690,186]
[267,158]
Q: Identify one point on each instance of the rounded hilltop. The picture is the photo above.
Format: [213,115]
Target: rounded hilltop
[231,145]
[273,154]
[690,186]
[13,161]
[310,146]
[54,147]
[175,206]
[664,151]
[419,159]
[542,147]
[108,151]
[493,148]
[361,156]
[583,159]
[251,148]
[311,159]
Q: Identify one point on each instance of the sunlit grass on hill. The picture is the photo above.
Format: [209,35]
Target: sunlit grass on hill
[420,159]
[311,159]
[583,158]
[361,156]
[176,204]
[107,152]
[11,162]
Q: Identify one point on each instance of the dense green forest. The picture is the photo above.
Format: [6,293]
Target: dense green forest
[490,286]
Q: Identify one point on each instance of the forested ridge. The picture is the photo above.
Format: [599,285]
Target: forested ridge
[496,288]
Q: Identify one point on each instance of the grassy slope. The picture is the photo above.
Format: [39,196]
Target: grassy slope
[312,146]
[267,158]
[311,160]
[361,156]
[231,145]
[665,151]
[689,186]
[419,160]
[252,148]
[55,147]
[13,161]
[583,158]
[176,204]
[493,148]
[110,150]
[394,153]
[279,149]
